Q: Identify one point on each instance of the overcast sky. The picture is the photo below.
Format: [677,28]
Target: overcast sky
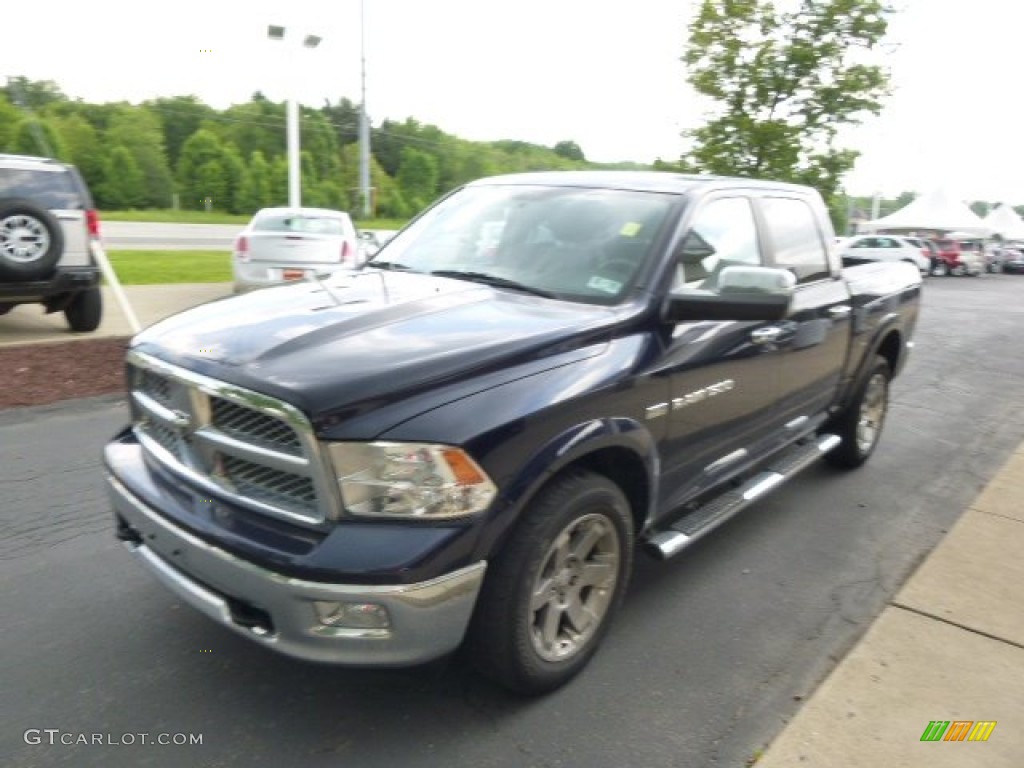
[606,75]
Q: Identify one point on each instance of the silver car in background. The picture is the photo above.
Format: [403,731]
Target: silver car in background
[284,244]
[863,248]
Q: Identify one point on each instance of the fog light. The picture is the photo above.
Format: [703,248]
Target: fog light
[352,615]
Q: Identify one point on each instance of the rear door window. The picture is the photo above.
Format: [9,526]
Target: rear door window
[797,241]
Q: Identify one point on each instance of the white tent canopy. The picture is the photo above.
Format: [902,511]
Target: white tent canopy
[1005,221]
[935,210]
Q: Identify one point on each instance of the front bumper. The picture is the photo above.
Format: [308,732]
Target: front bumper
[427,620]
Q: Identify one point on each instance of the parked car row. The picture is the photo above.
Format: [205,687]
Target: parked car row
[940,257]
[1007,259]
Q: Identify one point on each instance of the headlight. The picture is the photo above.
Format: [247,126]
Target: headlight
[409,480]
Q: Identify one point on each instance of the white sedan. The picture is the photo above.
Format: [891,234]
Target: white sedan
[884,248]
[284,244]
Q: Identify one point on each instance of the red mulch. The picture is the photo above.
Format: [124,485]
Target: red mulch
[37,374]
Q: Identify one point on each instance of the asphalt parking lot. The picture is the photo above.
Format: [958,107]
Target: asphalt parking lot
[711,655]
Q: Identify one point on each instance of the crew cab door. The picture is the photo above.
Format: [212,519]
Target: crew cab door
[724,384]
[813,341]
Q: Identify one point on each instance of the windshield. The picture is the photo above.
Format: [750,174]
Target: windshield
[586,245]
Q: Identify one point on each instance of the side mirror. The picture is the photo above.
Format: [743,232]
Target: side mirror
[742,293]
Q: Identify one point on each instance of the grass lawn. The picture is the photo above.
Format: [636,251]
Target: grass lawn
[155,267]
[167,216]
[175,217]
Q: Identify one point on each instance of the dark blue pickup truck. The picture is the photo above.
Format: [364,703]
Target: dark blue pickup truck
[462,443]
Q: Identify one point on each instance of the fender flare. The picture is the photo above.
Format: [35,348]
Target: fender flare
[891,325]
[570,447]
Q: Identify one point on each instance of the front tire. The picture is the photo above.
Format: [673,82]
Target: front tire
[941,269]
[860,424]
[550,595]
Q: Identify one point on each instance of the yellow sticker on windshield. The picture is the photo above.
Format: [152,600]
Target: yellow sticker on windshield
[630,229]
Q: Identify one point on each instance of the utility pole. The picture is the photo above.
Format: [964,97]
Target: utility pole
[364,121]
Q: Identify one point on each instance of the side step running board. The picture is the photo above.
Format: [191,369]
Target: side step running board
[673,540]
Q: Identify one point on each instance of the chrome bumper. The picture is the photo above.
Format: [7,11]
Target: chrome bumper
[427,620]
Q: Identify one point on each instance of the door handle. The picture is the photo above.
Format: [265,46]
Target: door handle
[766,335]
[839,310]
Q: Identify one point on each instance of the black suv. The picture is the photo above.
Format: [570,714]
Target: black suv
[47,227]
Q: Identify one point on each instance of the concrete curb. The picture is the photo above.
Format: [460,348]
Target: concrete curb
[948,647]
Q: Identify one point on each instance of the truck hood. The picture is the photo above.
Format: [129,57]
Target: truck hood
[363,340]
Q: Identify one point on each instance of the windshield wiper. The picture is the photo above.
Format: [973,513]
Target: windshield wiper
[497,282]
[393,266]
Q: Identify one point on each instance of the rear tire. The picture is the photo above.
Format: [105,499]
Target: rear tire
[941,269]
[85,311]
[860,424]
[549,597]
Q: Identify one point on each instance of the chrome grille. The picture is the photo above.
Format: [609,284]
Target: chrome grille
[168,439]
[270,485]
[254,426]
[251,448]
[154,385]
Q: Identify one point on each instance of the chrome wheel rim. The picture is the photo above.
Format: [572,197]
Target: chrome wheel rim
[23,238]
[574,587]
[872,413]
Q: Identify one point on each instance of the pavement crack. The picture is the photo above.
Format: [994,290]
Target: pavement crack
[958,625]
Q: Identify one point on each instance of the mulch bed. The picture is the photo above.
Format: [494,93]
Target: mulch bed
[37,374]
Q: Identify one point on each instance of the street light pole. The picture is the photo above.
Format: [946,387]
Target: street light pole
[294,159]
[364,120]
[275,32]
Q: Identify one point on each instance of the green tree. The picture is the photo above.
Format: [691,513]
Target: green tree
[255,190]
[139,131]
[279,181]
[34,136]
[234,173]
[33,95]
[320,140]
[84,147]
[9,117]
[209,183]
[256,126]
[202,153]
[904,199]
[785,82]
[417,177]
[343,117]
[570,150]
[123,186]
[180,117]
